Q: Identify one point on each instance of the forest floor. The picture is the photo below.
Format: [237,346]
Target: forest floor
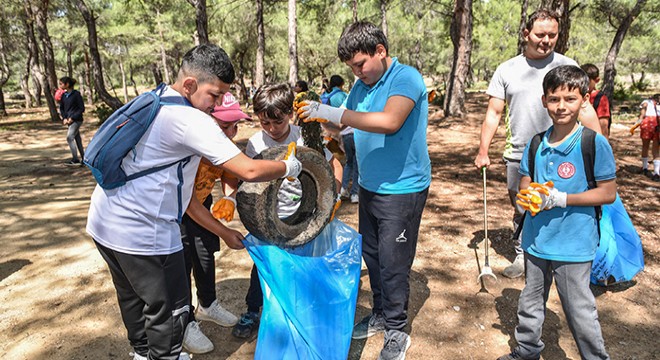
[59,303]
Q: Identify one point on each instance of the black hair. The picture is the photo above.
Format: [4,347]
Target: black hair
[335,81]
[541,14]
[273,101]
[591,70]
[207,62]
[302,84]
[359,37]
[68,81]
[570,76]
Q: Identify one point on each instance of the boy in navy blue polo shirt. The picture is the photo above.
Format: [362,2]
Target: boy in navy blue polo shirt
[388,108]
[560,233]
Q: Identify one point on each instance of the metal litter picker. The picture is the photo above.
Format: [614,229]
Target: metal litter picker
[485,270]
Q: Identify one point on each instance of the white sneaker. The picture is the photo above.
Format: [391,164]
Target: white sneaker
[137,356]
[355,199]
[516,269]
[184,356]
[217,314]
[195,341]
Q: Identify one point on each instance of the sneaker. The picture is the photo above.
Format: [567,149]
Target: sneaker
[137,356]
[355,199]
[195,341]
[184,356]
[344,193]
[516,269]
[645,172]
[369,326]
[515,356]
[655,177]
[395,346]
[217,314]
[73,163]
[247,325]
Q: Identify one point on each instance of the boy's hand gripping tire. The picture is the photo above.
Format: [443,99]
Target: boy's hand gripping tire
[257,202]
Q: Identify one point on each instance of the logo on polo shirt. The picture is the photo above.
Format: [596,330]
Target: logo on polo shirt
[566,170]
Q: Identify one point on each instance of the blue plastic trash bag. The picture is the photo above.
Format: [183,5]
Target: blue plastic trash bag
[310,294]
[619,255]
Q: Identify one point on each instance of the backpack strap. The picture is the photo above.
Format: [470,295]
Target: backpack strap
[589,159]
[597,99]
[531,160]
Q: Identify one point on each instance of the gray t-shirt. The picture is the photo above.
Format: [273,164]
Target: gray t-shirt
[519,81]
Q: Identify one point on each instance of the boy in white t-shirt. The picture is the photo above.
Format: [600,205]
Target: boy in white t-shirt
[136,226]
[273,104]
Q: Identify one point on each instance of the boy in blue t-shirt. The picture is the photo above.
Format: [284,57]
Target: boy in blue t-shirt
[388,108]
[561,235]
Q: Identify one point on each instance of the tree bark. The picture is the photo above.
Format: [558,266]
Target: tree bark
[163,54]
[97,68]
[25,86]
[355,11]
[610,59]
[293,43]
[39,12]
[521,28]
[158,76]
[5,72]
[123,79]
[88,79]
[69,62]
[33,55]
[201,21]
[383,16]
[563,9]
[260,71]
[461,37]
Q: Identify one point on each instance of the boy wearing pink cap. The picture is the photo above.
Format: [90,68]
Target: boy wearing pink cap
[200,240]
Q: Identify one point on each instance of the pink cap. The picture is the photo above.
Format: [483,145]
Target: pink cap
[230,110]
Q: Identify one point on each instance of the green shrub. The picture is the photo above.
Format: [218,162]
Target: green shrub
[102,112]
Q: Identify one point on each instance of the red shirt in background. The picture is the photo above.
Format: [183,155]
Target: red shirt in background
[603,110]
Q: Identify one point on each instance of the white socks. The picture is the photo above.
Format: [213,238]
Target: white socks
[645,163]
[656,167]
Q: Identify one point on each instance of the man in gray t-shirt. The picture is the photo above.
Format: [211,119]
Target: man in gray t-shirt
[517,84]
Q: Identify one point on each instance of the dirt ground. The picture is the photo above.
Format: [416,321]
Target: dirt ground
[58,301]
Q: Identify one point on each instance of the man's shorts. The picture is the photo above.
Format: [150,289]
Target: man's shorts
[649,130]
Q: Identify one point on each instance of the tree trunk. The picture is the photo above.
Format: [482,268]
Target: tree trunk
[49,83]
[355,13]
[69,62]
[88,80]
[461,37]
[260,71]
[33,55]
[25,86]
[383,16]
[5,72]
[163,54]
[158,76]
[293,43]
[123,79]
[201,21]
[562,8]
[610,59]
[99,84]
[521,28]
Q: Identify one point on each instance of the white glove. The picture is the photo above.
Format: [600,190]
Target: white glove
[538,197]
[315,111]
[293,165]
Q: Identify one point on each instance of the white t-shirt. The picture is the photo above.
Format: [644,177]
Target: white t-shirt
[141,217]
[288,199]
[650,109]
[519,81]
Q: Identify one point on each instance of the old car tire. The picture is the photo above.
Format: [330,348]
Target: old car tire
[257,202]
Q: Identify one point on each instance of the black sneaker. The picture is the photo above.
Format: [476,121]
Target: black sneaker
[655,177]
[395,347]
[645,172]
[247,325]
[73,163]
[515,356]
[369,326]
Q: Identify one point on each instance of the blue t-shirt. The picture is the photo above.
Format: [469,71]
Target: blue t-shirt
[336,97]
[569,234]
[395,163]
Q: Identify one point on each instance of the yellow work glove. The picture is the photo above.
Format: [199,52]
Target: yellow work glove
[632,129]
[538,197]
[336,207]
[224,209]
[293,165]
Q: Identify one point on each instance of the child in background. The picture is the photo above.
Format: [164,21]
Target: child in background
[273,104]
[561,236]
[72,108]
[648,123]
[200,244]
[598,99]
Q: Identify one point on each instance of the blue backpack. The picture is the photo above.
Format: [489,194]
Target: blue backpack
[325,98]
[121,132]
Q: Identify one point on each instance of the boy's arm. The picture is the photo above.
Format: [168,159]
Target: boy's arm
[337,170]
[488,129]
[201,215]
[588,118]
[524,182]
[251,170]
[604,193]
